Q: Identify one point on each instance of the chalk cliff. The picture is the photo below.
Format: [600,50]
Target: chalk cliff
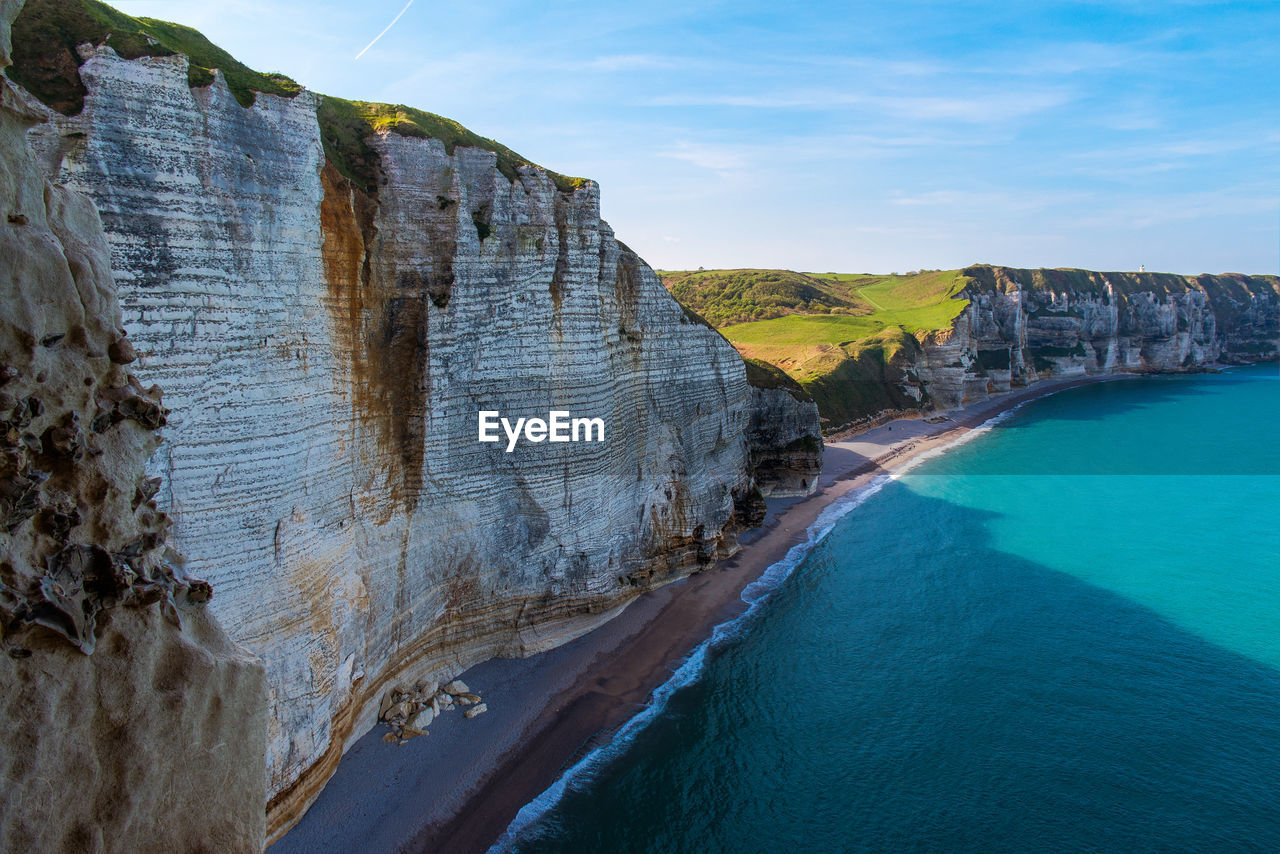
[326,317]
[1021,326]
[784,433]
[129,721]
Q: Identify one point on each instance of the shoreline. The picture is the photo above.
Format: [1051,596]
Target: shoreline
[460,791]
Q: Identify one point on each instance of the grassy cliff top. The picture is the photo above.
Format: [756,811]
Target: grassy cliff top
[1004,279]
[46,63]
[729,297]
[844,336]
[761,374]
[47,32]
[345,127]
[808,347]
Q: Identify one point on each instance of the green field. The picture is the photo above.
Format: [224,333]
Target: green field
[807,347]
[727,297]
[848,339]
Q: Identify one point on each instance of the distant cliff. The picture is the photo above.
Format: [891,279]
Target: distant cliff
[328,293]
[1021,326]
[869,347]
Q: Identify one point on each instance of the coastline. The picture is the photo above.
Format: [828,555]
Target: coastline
[459,791]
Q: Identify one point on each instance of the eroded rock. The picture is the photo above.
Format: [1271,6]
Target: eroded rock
[128,720]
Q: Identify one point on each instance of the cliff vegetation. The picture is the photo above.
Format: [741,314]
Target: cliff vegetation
[345,127]
[46,62]
[47,33]
[847,340]
[727,297]
[761,374]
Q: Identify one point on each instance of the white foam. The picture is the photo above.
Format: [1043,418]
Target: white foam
[755,594]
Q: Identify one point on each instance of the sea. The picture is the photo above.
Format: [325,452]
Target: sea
[1062,635]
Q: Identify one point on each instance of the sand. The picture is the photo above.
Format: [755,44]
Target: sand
[457,789]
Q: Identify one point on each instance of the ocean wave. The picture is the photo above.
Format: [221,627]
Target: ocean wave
[755,595]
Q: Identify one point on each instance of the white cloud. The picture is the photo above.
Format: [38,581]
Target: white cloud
[976,108]
[719,158]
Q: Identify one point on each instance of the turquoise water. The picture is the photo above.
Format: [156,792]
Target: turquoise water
[1063,635]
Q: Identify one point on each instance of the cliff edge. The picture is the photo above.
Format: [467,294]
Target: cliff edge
[870,347]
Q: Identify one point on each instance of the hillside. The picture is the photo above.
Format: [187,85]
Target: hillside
[842,336]
[726,297]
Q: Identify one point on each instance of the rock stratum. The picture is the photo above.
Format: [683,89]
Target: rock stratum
[129,721]
[327,313]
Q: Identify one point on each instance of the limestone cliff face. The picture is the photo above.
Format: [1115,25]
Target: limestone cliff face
[1022,326]
[324,351]
[128,720]
[785,436]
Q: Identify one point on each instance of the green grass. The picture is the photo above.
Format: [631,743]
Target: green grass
[737,296]
[45,62]
[345,127]
[761,374]
[808,346]
[728,297]
[901,293]
[847,339]
[870,380]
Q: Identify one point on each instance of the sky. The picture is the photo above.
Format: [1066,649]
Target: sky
[841,136]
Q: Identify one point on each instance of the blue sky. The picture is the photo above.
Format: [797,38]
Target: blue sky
[842,136]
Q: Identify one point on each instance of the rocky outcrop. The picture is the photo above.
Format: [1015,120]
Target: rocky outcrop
[128,721]
[786,442]
[325,345]
[1021,326]
[784,433]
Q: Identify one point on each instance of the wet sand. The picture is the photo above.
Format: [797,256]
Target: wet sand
[457,789]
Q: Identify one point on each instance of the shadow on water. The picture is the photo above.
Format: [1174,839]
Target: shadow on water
[1173,425]
[1115,398]
[1122,395]
[911,688]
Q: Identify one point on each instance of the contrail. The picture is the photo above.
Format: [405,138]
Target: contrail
[384,31]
